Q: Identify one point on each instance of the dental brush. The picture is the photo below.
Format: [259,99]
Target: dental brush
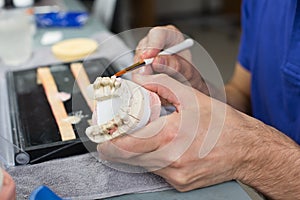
[169,51]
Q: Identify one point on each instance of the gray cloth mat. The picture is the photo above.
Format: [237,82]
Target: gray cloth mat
[82,177]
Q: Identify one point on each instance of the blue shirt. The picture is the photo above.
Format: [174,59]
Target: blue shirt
[270,50]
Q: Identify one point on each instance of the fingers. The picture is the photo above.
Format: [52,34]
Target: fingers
[152,164]
[144,50]
[159,143]
[175,66]
[166,87]
[166,93]
[142,147]
[180,69]
[156,133]
[169,89]
[142,141]
[9,188]
[157,39]
[169,36]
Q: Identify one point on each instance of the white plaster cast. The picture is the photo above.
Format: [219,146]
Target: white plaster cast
[122,108]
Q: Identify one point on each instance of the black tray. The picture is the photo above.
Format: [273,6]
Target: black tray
[34,128]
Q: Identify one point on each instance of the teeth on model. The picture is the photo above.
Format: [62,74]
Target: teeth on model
[105,81]
[105,87]
[98,94]
[117,84]
[113,89]
[127,116]
[106,91]
[118,121]
[110,125]
[97,83]
[112,81]
[104,129]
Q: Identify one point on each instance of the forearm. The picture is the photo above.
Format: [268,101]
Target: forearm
[237,99]
[271,164]
[238,89]
[234,97]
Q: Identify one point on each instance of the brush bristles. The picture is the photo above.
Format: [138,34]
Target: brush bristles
[130,68]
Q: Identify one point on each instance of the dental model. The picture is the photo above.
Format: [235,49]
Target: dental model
[122,108]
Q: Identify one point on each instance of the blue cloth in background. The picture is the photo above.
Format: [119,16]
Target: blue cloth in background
[61,19]
[270,50]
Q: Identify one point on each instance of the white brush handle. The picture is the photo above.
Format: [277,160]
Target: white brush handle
[172,50]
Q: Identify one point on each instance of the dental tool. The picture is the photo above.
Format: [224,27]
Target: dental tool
[169,51]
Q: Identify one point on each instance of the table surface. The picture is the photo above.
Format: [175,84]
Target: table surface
[229,190]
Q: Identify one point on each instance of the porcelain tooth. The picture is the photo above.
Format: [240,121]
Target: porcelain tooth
[106,91]
[117,83]
[105,81]
[113,89]
[98,94]
[104,129]
[112,81]
[110,125]
[97,83]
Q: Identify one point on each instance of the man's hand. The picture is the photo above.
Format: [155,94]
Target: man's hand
[178,66]
[173,146]
[8,190]
[193,147]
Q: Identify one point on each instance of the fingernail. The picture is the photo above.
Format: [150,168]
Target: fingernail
[143,54]
[144,51]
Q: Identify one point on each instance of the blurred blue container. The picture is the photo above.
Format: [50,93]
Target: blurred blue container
[43,193]
[61,19]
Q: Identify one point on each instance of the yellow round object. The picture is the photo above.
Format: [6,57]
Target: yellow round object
[74,49]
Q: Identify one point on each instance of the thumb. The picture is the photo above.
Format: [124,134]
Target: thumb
[158,84]
[168,88]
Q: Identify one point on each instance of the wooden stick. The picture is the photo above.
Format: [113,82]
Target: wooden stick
[57,106]
[83,82]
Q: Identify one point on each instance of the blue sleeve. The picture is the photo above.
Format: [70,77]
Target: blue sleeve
[245,43]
